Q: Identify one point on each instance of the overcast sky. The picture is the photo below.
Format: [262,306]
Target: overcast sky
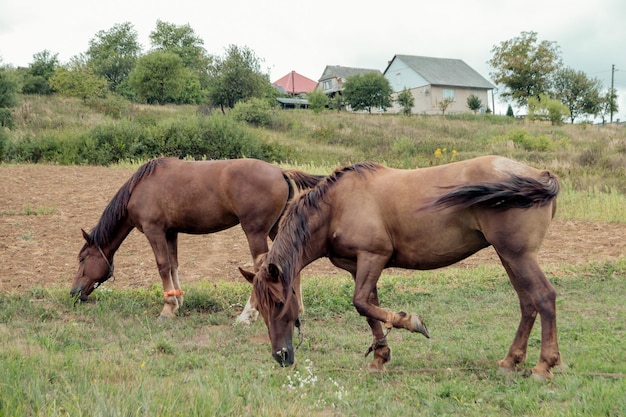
[305,36]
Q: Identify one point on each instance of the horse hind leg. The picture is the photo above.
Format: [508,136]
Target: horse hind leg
[536,296]
[257,242]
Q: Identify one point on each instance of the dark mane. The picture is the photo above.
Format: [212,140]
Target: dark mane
[116,210]
[294,230]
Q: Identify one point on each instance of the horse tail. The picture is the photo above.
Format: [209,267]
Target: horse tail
[302,180]
[117,209]
[514,192]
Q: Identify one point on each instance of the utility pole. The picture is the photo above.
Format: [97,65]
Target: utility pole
[612,91]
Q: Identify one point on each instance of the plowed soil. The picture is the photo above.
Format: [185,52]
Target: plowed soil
[43,208]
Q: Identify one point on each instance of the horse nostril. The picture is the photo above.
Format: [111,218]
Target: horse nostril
[284,357]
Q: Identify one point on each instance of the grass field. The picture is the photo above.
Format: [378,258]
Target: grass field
[113,357]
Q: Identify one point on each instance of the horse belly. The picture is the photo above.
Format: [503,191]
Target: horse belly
[437,248]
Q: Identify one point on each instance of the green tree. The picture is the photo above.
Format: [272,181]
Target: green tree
[444,104]
[160,77]
[509,111]
[406,101]
[578,92]
[8,98]
[236,77]
[77,79]
[112,54]
[524,67]
[318,100]
[546,108]
[184,42]
[474,103]
[37,76]
[367,91]
[608,105]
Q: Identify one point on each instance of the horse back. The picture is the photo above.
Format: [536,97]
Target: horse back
[208,196]
[393,212]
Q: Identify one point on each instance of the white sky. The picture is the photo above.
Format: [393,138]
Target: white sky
[305,36]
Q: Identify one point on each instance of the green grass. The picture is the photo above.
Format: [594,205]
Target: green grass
[113,356]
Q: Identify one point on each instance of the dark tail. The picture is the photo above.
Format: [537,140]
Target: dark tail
[302,180]
[515,192]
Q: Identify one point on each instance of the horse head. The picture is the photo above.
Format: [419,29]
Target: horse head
[93,269]
[278,304]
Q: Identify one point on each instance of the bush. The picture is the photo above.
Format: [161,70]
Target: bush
[255,111]
[530,143]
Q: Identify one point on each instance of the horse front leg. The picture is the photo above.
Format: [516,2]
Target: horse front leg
[365,300]
[171,289]
[382,351]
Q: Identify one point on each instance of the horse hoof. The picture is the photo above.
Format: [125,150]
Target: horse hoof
[375,369]
[541,375]
[417,325]
[506,371]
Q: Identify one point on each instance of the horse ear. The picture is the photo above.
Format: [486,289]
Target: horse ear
[274,271]
[249,276]
[85,235]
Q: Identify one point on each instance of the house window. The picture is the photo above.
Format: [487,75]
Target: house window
[448,94]
[328,84]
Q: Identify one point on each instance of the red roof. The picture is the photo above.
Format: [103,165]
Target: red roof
[294,83]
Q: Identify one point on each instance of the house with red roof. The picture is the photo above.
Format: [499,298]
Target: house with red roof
[295,84]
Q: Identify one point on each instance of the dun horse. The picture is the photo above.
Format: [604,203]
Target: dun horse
[168,196]
[367,217]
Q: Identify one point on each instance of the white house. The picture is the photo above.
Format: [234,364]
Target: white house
[432,80]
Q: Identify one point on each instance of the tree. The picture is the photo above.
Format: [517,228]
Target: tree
[406,101]
[546,108]
[608,105]
[77,79]
[8,99]
[112,54]
[367,91]
[509,111]
[37,76]
[159,77]
[183,41]
[235,77]
[474,103]
[318,100]
[578,92]
[444,104]
[524,66]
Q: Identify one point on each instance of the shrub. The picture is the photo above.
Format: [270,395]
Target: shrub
[255,111]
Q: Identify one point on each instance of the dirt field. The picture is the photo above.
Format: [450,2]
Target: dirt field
[43,208]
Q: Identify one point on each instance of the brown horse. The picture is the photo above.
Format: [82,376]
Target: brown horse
[168,196]
[367,217]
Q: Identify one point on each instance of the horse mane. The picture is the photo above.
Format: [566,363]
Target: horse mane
[294,234]
[116,210]
[514,192]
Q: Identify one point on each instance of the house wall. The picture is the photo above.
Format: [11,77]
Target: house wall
[400,76]
[427,99]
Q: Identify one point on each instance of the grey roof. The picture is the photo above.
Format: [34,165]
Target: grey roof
[445,71]
[332,71]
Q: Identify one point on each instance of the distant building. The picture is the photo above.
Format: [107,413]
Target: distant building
[295,84]
[432,80]
[332,80]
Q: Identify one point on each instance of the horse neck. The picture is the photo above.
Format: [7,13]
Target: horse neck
[114,241]
[307,250]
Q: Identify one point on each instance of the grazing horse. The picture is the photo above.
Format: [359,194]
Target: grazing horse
[168,196]
[367,217]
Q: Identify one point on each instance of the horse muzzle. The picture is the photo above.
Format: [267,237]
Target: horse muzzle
[284,357]
[80,293]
